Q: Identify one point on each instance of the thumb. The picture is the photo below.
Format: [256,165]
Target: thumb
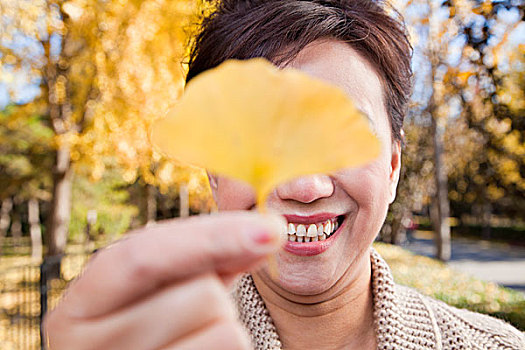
[228,243]
[172,251]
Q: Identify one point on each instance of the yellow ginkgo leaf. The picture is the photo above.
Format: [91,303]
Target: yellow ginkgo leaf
[252,121]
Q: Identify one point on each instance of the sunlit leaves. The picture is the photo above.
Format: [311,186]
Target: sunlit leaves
[109,68]
[469,80]
[250,121]
[138,59]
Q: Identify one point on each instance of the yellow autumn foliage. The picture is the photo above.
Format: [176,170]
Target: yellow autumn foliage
[251,121]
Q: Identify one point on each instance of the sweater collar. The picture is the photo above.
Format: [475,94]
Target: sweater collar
[402,319]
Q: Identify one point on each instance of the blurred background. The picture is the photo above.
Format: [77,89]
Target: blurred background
[81,81]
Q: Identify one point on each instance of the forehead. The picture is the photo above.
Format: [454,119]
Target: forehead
[337,63]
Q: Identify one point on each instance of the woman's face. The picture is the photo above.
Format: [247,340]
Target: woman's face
[357,198]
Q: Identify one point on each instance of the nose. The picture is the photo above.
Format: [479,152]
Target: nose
[307,189]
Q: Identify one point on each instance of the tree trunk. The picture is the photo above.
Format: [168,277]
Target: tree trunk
[442,210]
[395,234]
[60,115]
[16,223]
[57,232]
[164,209]
[34,229]
[486,222]
[150,198]
[399,228]
[5,219]
[184,201]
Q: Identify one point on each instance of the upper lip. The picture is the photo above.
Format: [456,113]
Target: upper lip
[309,219]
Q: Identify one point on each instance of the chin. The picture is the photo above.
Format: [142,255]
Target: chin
[305,287]
[306,278]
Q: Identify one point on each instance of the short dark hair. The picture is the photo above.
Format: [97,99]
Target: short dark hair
[279,29]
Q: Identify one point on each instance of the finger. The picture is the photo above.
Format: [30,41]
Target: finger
[166,253]
[160,319]
[219,336]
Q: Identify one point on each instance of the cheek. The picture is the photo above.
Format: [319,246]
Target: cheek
[234,195]
[368,186]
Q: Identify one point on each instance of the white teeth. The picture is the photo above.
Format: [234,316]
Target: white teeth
[312,231]
[328,227]
[320,229]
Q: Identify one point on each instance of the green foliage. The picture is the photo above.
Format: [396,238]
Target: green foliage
[492,171]
[109,198]
[469,77]
[26,158]
[432,277]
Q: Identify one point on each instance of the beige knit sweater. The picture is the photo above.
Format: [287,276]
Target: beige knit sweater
[404,319]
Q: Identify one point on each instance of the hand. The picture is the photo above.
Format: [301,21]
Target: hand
[164,287]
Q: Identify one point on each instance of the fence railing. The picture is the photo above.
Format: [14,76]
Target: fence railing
[27,291]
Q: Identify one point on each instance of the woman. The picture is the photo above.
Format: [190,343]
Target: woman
[168,286]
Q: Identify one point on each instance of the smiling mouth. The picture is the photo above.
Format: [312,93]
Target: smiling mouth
[314,232]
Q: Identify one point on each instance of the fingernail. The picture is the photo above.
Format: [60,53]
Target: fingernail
[269,236]
[263,237]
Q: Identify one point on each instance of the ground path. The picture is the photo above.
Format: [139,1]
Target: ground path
[489,261]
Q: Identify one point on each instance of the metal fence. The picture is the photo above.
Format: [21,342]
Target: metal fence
[27,291]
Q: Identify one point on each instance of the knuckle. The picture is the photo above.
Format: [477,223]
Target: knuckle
[233,336]
[216,297]
[138,264]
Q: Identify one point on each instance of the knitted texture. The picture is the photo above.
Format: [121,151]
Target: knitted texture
[254,316]
[403,318]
